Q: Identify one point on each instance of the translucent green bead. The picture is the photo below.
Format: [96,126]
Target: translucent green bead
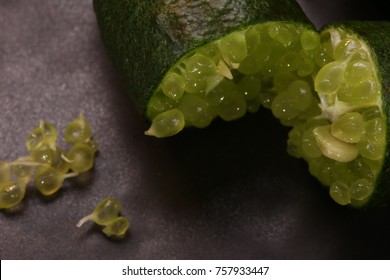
[281,34]
[78,130]
[340,193]
[305,67]
[173,86]
[310,40]
[50,133]
[104,213]
[195,85]
[282,80]
[315,121]
[232,107]
[342,171]
[270,66]
[11,194]
[48,180]
[312,111]
[233,47]
[309,145]
[294,142]
[195,110]
[357,72]
[253,105]
[375,130]
[349,127]
[42,154]
[255,61]
[315,165]
[211,51]
[58,162]
[299,92]
[291,122]
[288,104]
[360,54]
[266,98]
[167,124]
[375,165]
[199,66]
[35,138]
[159,103]
[227,101]
[250,87]
[43,133]
[329,78]
[117,227]
[289,62]
[361,189]
[373,144]
[323,55]
[325,171]
[371,113]
[80,157]
[282,108]
[371,151]
[212,81]
[345,48]
[22,173]
[252,37]
[362,170]
[360,94]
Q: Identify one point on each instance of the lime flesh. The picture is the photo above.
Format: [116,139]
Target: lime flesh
[323,86]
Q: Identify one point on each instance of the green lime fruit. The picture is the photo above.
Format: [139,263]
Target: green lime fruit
[187,63]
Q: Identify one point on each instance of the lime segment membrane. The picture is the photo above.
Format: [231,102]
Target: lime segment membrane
[322,85]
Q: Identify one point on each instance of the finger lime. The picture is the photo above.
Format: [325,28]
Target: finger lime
[187,63]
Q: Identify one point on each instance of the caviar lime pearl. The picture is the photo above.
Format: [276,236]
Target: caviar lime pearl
[107,214]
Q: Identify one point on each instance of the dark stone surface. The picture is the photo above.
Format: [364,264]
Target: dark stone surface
[226,192]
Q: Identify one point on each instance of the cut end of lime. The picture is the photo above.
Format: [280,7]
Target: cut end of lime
[324,86]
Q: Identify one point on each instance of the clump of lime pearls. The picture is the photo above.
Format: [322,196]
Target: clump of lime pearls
[47,165]
[322,85]
[107,214]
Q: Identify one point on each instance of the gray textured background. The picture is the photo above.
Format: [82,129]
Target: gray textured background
[226,192]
